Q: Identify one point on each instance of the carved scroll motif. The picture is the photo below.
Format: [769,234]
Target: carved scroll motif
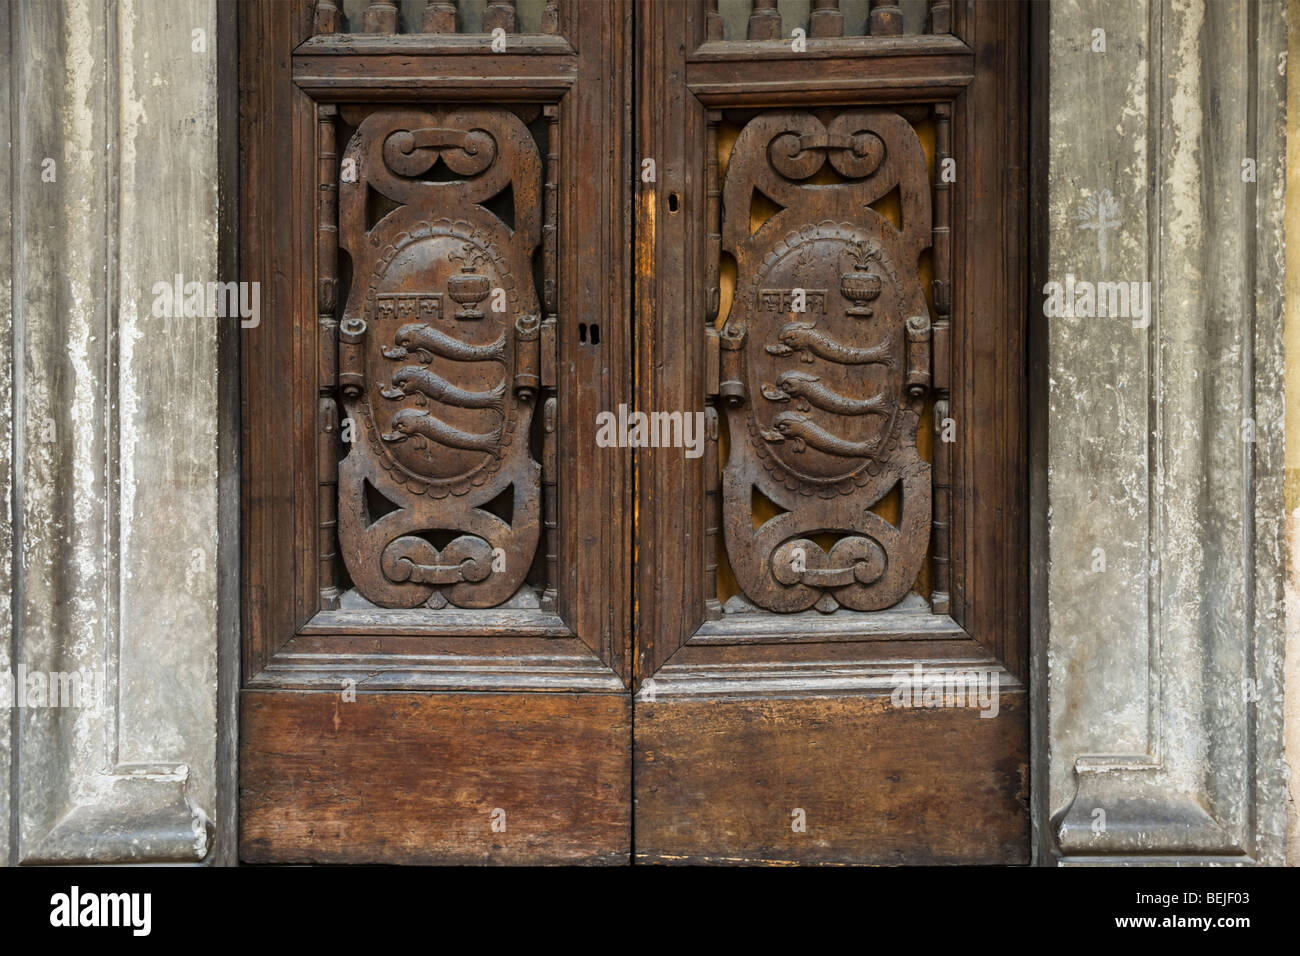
[439,496]
[825,360]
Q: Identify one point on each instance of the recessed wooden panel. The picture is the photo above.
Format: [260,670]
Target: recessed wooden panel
[416,778]
[721,781]
[826,360]
[440,357]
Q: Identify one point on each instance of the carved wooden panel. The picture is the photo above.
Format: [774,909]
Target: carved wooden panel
[826,360]
[406,428]
[439,357]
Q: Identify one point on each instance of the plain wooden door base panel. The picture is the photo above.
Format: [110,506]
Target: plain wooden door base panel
[432,778]
[417,778]
[722,781]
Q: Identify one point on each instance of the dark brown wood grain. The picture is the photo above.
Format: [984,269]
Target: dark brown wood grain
[416,778]
[674,288]
[439,358]
[279,407]
[677,282]
[826,353]
[831,70]
[548,666]
[289,128]
[718,782]
[729,702]
[990,473]
[431,67]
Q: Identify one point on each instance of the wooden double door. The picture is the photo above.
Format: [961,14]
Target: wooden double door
[633,456]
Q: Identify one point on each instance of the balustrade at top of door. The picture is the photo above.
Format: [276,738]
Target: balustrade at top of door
[726,19]
[437,16]
[772,20]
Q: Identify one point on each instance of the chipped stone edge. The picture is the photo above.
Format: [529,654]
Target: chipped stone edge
[138,817]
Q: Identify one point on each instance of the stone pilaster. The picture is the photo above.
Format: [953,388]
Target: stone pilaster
[1159,622]
[113,487]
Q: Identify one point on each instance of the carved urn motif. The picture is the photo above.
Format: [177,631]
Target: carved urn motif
[469,288]
[861,286]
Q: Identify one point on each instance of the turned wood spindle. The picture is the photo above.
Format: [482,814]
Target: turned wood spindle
[327,437]
[712,468]
[826,19]
[941,521]
[713,21]
[941,16]
[549,357]
[886,19]
[439,17]
[327,17]
[380,17]
[500,14]
[765,21]
[941,525]
[712,512]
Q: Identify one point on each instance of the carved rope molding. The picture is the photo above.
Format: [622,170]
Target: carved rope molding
[1160,605]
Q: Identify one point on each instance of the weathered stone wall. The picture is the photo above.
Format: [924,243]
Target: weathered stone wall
[1159,618]
[1292,490]
[111,413]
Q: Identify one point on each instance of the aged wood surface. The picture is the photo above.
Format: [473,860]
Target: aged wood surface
[439,358]
[674,288]
[735,707]
[417,778]
[830,71]
[280,440]
[430,68]
[720,781]
[465,692]
[327,301]
[557,208]
[990,538]
[826,361]
[521,692]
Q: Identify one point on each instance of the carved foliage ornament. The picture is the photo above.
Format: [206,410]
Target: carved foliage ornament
[825,360]
[438,358]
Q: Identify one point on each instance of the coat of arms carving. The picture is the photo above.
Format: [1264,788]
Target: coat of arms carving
[439,493]
[826,360]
